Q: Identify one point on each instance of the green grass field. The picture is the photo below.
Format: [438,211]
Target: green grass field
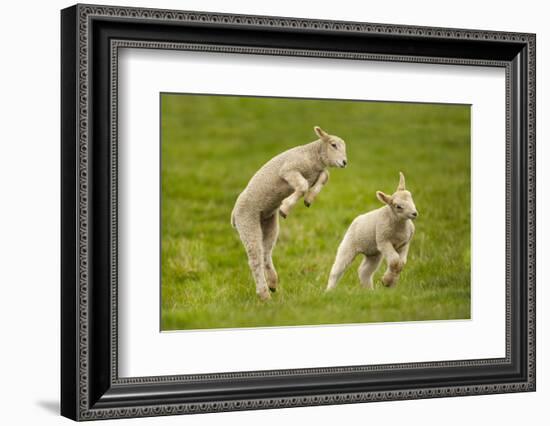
[212,145]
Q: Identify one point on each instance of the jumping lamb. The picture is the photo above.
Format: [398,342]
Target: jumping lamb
[385,232]
[276,187]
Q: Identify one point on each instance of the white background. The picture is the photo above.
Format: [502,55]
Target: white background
[29,213]
[146,352]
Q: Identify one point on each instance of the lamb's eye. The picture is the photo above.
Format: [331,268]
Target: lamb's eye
[399,207]
[333,145]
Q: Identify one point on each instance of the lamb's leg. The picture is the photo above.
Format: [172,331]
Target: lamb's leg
[403,253]
[344,257]
[316,188]
[270,230]
[395,264]
[300,185]
[250,232]
[367,268]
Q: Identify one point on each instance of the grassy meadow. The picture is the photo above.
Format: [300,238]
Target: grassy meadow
[212,145]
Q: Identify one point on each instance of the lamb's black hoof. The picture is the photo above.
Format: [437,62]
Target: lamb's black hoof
[272,290]
[307,204]
[283,215]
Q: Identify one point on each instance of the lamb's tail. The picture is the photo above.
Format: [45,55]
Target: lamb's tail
[233,219]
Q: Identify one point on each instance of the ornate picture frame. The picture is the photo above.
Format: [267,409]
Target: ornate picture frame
[91,37]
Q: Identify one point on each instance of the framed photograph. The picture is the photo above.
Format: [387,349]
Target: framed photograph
[263,212]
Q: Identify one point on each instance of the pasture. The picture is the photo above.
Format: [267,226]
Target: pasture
[212,145]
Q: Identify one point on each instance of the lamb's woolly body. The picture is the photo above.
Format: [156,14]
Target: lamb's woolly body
[267,189]
[382,233]
[275,188]
[377,225]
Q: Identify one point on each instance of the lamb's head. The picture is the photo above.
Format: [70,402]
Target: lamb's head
[401,202]
[333,152]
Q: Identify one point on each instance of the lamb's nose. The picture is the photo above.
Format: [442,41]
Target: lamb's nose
[415,214]
[345,162]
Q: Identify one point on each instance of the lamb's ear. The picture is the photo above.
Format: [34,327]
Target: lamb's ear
[401,186]
[385,198]
[320,132]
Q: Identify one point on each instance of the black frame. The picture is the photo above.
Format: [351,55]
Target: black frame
[91,37]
